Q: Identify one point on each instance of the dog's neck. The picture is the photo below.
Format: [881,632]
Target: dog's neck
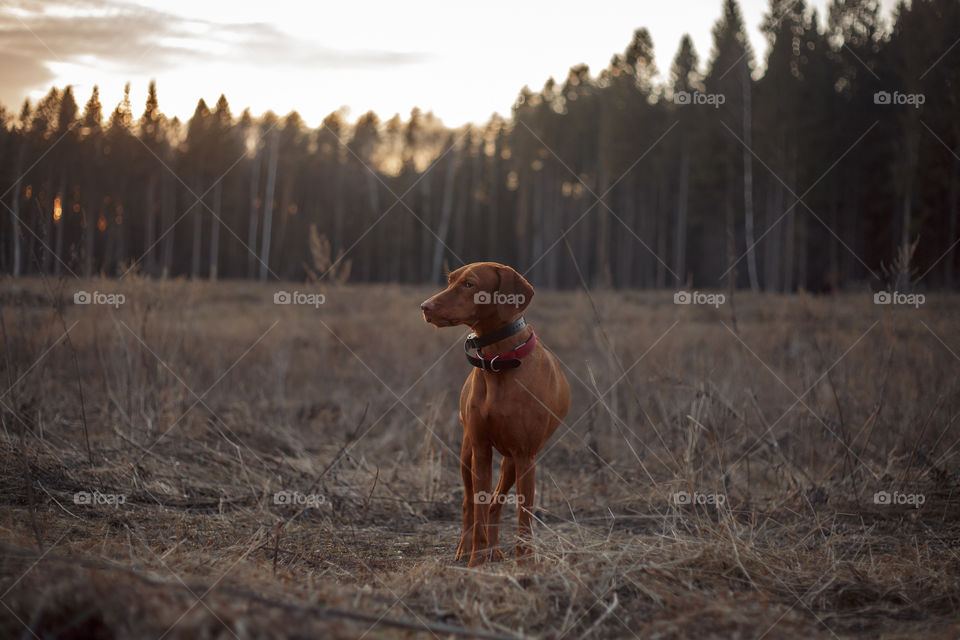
[502,346]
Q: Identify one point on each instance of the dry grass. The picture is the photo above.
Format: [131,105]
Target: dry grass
[202,401]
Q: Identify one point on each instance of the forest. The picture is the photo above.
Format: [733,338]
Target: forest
[833,164]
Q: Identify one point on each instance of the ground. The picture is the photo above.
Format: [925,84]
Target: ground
[266,471]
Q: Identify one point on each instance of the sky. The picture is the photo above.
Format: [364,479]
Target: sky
[462,61]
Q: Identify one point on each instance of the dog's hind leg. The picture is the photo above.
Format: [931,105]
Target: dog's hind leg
[526,469]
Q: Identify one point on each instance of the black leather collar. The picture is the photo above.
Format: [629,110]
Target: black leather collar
[475,342]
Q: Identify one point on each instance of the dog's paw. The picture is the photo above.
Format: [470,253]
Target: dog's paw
[497,556]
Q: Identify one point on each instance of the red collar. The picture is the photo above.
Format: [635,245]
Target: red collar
[508,360]
[519,353]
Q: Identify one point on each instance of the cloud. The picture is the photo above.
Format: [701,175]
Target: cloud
[127,39]
[262,43]
[20,75]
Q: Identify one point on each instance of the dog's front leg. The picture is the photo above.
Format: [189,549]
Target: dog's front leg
[482,461]
[466,474]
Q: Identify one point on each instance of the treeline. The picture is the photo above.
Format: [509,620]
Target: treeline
[840,166]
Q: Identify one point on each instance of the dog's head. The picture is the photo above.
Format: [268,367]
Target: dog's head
[482,295]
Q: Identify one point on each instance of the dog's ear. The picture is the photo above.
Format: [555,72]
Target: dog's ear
[516,294]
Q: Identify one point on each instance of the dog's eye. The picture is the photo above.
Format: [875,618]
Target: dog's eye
[468,285]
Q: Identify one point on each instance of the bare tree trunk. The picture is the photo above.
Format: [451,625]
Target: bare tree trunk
[89,221]
[473,195]
[150,227]
[748,179]
[215,231]
[493,210]
[446,209]
[833,251]
[122,245]
[627,243]
[168,197]
[407,238]
[549,226]
[903,277]
[522,219]
[426,240]
[89,235]
[660,220]
[802,252]
[601,265]
[771,253]
[268,208]
[648,231]
[949,260]
[254,218]
[791,233]
[788,253]
[373,189]
[46,219]
[553,227]
[536,231]
[109,245]
[197,234]
[461,218]
[338,207]
[729,235]
[15,214]
[680,240]
[58,200]
[286,204]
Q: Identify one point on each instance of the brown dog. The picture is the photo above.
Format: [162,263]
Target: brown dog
[513,400]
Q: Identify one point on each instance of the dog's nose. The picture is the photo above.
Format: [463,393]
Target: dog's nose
[427,305]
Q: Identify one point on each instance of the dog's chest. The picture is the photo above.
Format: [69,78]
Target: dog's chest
[503,412]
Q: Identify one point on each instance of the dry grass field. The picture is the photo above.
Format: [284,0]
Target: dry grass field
[241,469]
